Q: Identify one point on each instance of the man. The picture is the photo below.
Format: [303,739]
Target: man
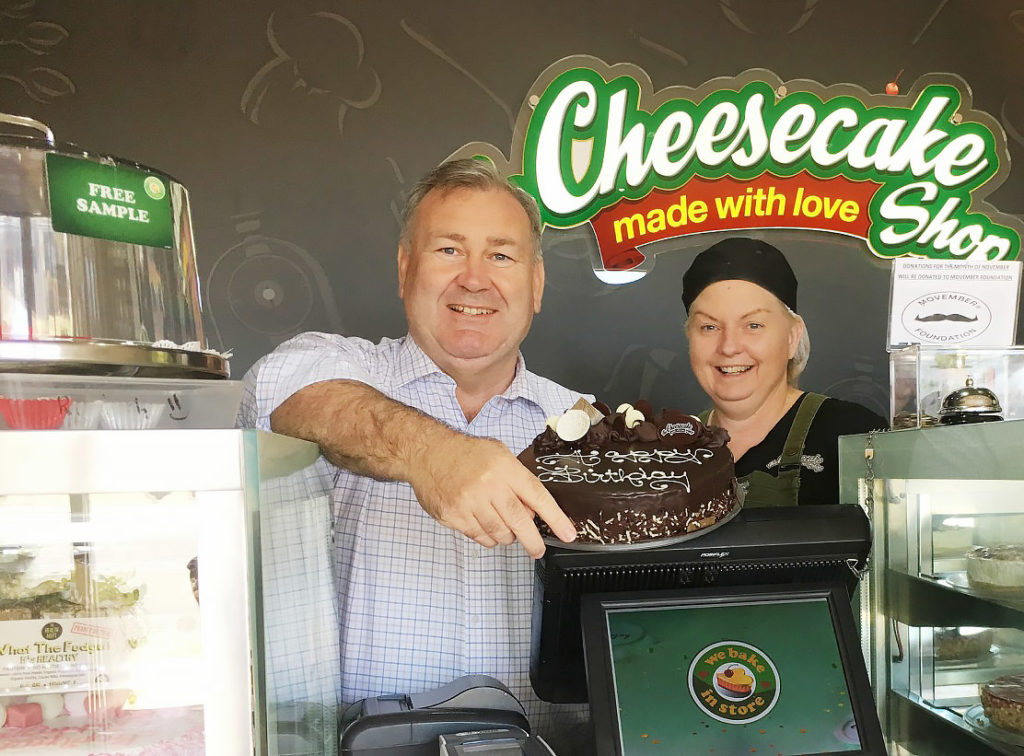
[427,505]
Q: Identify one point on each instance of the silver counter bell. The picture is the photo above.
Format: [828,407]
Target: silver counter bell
[970,404]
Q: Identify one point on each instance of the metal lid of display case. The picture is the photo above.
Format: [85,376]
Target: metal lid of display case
[96,358]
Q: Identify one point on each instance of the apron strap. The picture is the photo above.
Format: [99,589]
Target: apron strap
[793,449]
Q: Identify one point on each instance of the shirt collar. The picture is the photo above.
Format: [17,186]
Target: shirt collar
[521,386]
[414,364]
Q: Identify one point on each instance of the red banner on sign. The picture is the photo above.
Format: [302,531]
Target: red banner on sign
[703,205]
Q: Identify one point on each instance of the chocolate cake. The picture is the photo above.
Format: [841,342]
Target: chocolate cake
[631,475]
[1003,701]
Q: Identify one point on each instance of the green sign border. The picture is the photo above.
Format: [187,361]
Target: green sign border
[647,106]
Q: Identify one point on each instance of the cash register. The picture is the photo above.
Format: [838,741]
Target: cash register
[740,638]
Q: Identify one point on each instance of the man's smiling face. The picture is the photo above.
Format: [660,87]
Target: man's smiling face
[469,279]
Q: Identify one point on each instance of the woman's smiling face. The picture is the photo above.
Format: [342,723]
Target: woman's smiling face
[741,340]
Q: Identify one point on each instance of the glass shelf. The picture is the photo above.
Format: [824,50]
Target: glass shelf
[931,635]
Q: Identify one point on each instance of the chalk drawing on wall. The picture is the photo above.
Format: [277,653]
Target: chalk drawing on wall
[659,48]
[931,20]
[1011,114]
[639,369]
[761,18]
[861,388]
[320,54]
[450,60]
[397,205]
[269,287]
[36,38]
[569,256]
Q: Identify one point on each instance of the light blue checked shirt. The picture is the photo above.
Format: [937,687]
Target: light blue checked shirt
[419,604]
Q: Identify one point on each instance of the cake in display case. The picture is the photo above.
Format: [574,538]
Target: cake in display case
[944,611]
[165,592]
[923,376]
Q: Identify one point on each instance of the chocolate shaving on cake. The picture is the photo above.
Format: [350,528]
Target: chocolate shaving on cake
[635,475]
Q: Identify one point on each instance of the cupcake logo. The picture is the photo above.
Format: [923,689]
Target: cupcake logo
[733,682]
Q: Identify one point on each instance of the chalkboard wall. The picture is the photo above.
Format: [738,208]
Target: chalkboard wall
[299,126]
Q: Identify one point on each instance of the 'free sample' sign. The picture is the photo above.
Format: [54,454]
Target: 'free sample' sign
[115,202]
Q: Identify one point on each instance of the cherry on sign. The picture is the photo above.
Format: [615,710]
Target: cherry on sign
[893,88]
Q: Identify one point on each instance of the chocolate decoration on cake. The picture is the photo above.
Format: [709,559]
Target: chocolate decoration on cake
[658,475]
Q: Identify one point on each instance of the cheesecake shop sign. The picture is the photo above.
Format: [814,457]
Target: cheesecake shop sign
[595,144]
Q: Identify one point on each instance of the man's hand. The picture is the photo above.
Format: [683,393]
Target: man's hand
[474,485]
[478,487]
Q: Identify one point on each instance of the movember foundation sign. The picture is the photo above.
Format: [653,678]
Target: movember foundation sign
[596,144]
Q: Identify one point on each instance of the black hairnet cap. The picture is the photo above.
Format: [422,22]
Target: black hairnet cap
[743,259]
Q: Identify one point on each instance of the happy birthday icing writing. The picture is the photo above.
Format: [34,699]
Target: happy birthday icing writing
[577,467]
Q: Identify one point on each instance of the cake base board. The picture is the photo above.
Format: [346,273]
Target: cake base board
[650,544]
[976,719]
[1010,594]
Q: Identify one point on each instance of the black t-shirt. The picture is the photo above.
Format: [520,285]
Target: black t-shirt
[819,471]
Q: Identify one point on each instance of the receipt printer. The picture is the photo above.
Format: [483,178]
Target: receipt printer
[411,725]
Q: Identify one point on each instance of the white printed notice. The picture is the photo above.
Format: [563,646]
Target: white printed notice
[949,303]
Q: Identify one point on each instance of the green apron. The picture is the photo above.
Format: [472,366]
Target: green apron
[767,490]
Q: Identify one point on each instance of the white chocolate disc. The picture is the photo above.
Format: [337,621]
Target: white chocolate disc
[633,417]
[624,408]
[52,704]
[573,425]
[553,423]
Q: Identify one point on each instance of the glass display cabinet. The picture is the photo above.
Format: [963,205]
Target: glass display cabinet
[922,376]
[165,591]
[943,609]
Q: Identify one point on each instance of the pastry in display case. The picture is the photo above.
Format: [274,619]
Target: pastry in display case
[943,625]
[165,592]
[962,644]
[997,568]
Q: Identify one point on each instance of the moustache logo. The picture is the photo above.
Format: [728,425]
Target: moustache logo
[945,317]
[953,317]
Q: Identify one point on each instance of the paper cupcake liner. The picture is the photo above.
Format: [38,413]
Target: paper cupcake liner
[133,415]
[35,414]
[83,416]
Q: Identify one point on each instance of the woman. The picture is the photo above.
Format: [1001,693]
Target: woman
[747,349]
